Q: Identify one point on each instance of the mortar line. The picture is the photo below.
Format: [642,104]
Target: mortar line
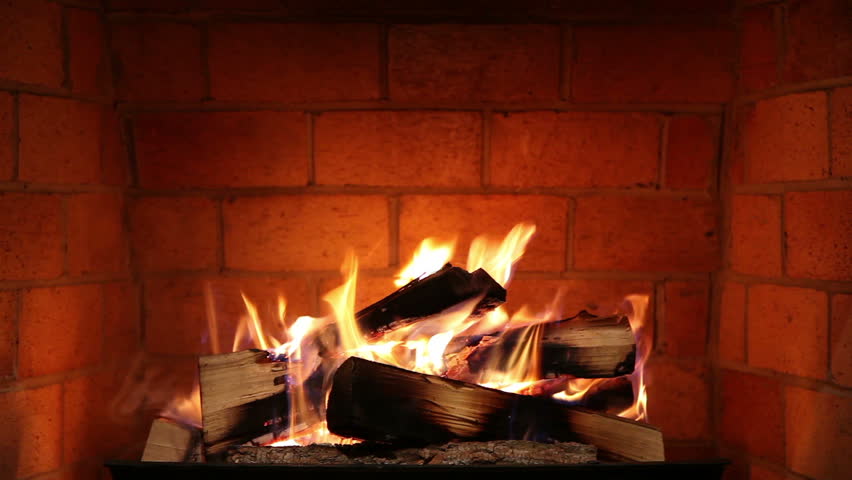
[389,105]
[312,167]
[16,136]
[485,156]
[19,312]
[720,123]
[789,89]
[794,186]
[663,156]
[12,87]
[659,315]
[129,134]
[829,111]
[828,350]
[65,206]
[65,36]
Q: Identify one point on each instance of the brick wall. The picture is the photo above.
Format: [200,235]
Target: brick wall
[783,293]
[252,145]
[68,304]
[264,149]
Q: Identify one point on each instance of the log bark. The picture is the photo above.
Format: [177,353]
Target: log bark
[584,346]
[428,296]
[169,441]
[499,452]
[243,396]
[372,401]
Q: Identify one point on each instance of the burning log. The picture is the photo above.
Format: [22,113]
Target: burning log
[584,346]
[243,396]
[372,401]
[170,441]
[430,295]
[502,452]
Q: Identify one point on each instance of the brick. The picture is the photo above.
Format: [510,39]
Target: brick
[841,339]
[784,138]
[368,290]
[645,234]
[600,297]
[732,323]
[689,452]
[96,239]
[644,63]
[752,417]
[679,400]
[162,383]
[30,32]
[294,62]
[157,61]
[575,149]
[398,148]
[174,233]
[758,472]
[755,241]
[31,417]
[466,216]
[788,330]
[819,40]
[176,321]
[114,159]
[818,229]
[8,332]
[65,321]
[841,132]
[31,236]
[758,50]
[122,330]
[7,139]
[474,62]
[691,151]
[60,140]
[305,232]
[222,149]
[89,66]
[158,5]
[103,435]
[686,316]
[818,433]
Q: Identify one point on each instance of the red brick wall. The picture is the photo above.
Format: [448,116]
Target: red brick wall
[261,142]
[783,311]
[68,305]
[264,149]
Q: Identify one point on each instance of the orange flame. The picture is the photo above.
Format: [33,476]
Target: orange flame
[429,257]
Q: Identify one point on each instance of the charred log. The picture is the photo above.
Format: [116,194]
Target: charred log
[584,346]
[377,402]
[428,296]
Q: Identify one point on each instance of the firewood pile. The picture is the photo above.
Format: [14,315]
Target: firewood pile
[410,417]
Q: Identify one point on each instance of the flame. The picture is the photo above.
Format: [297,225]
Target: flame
[314,347]
[498,258]
[429,257]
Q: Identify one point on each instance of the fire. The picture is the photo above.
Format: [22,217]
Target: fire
[420,346]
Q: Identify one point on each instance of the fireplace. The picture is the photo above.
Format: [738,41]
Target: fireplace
[159,158]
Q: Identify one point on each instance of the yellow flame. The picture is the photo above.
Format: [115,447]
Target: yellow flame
[255,328]
[498,258]
[342,302]
[636,307]
[429,257]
